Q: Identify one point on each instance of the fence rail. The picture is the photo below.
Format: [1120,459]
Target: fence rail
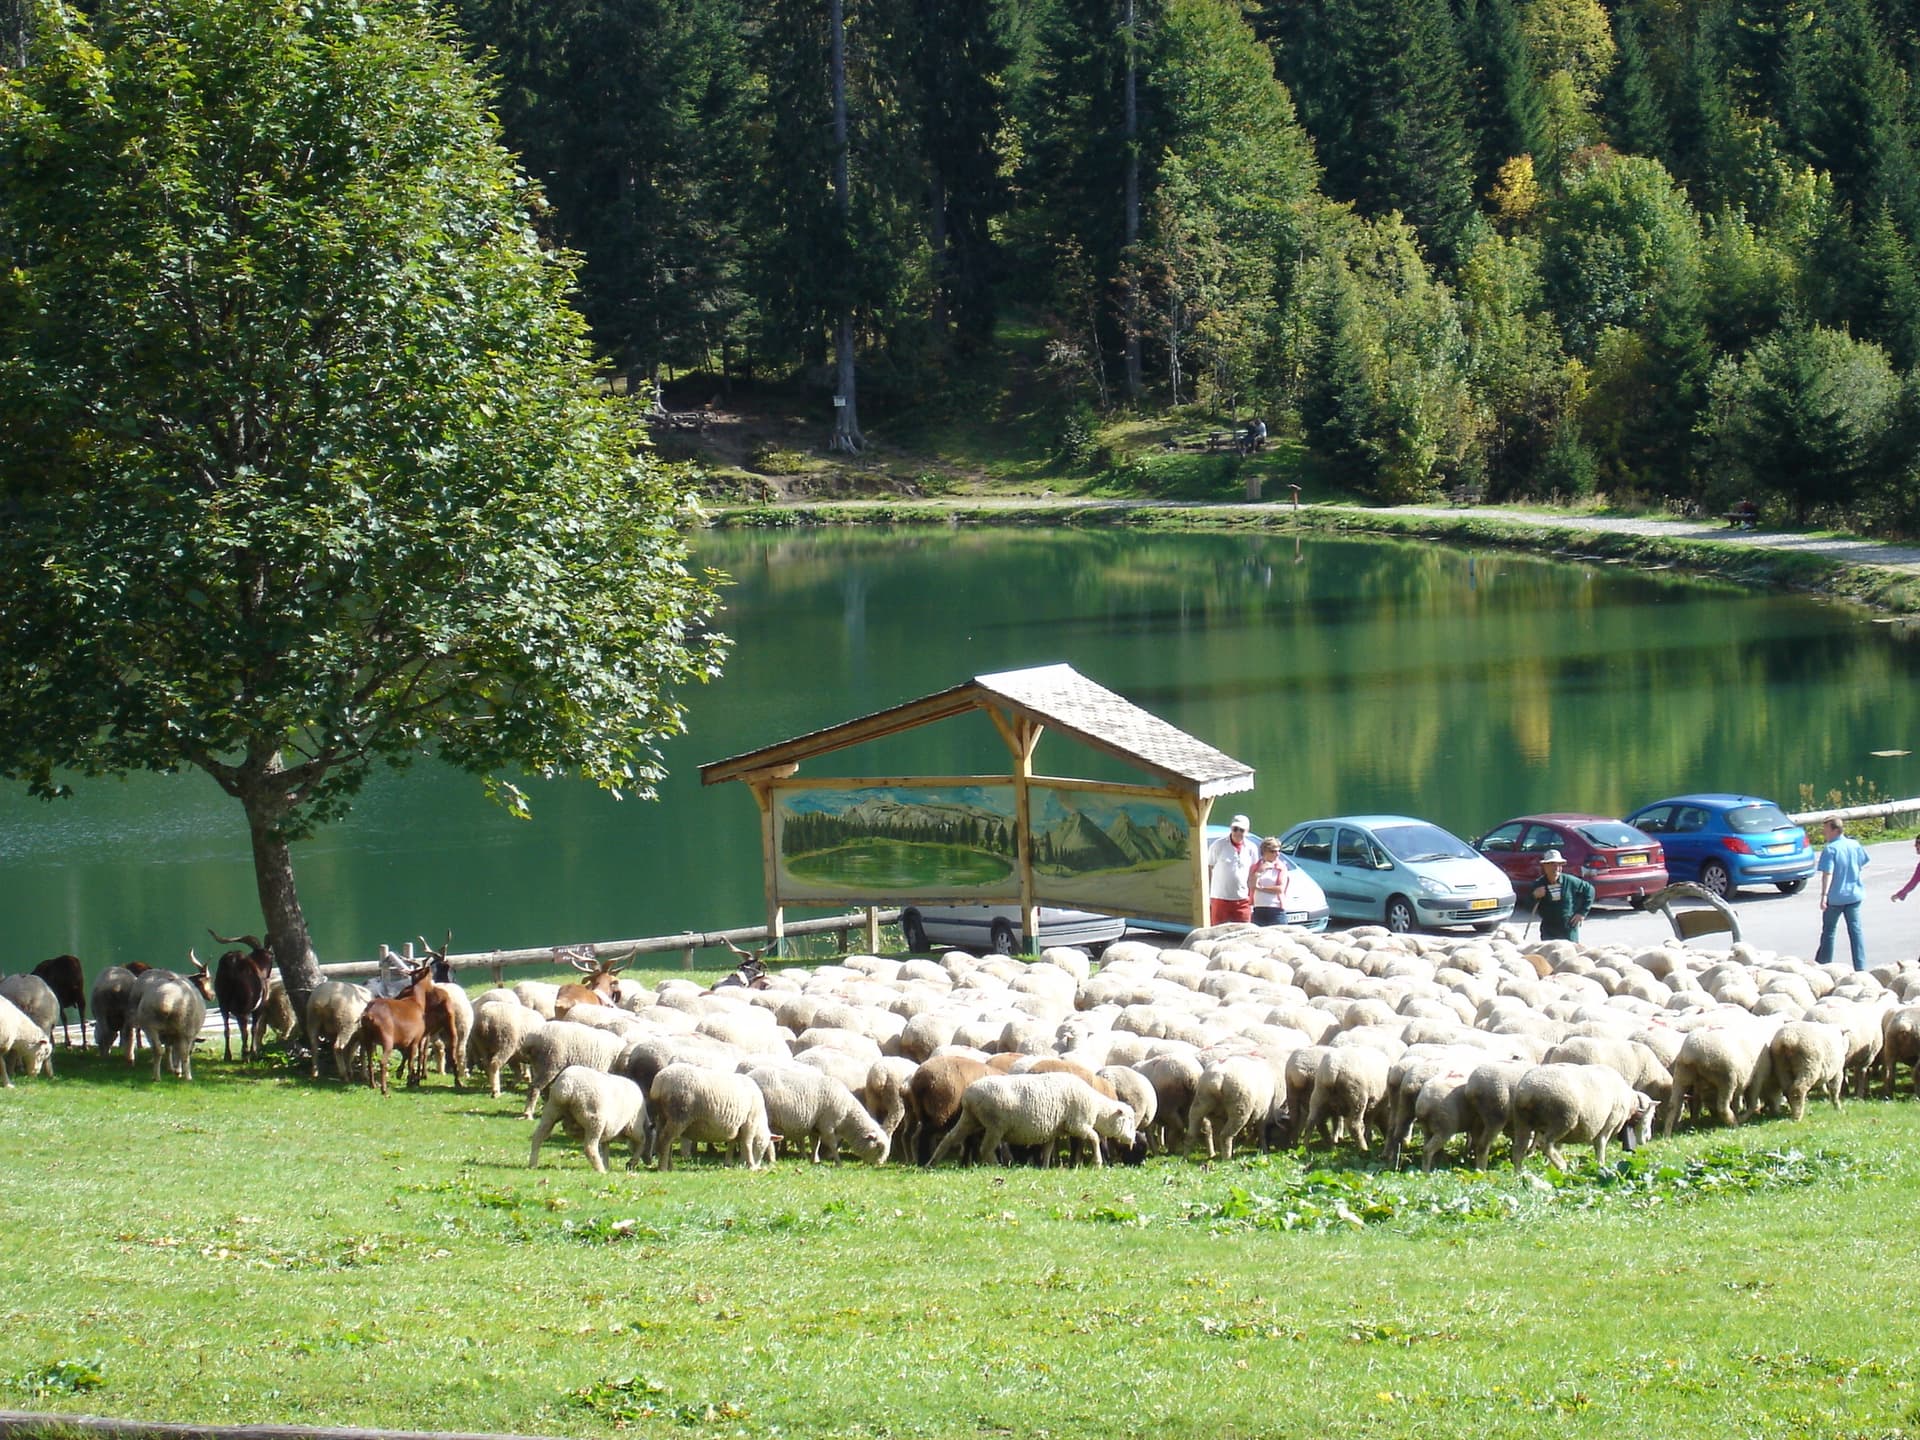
[686,943]
[1859,812]
[30,1425]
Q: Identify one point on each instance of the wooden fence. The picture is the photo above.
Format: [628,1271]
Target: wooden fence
[686,944]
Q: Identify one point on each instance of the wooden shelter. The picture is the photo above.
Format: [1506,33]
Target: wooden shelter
[1146,859]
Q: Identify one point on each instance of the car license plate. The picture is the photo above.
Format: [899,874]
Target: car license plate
[1776,850]
[1634,859]
[1487,904]
[1296,917]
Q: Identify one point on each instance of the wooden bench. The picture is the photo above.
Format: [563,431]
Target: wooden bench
[1464,495]
[1739,519]
[679,419]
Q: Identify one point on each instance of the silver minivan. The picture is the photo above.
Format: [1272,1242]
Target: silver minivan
[1408,874]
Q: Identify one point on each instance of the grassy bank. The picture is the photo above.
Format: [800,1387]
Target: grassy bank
[259,1248]
[1880,588]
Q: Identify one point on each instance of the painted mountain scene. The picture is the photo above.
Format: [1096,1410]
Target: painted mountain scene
[883,843]
[1126,855]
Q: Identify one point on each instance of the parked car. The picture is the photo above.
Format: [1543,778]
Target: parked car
[996,928]
[1727,841]
[1409,873]
[1306,902]
[1620,862]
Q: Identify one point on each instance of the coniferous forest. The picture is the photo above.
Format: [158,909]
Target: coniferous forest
[1652,247]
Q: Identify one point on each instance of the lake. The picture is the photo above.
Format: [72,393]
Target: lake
[1354,675]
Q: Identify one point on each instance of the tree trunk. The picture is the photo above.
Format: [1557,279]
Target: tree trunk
[1130,279]
[279,901]
[846,411]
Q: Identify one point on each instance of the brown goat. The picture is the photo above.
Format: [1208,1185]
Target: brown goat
[240,981]
[69,985]
[933,1098]
[398,1023]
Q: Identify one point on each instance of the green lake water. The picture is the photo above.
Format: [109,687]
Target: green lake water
[1354,675]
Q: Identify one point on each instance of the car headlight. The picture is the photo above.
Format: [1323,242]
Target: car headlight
[1435,887]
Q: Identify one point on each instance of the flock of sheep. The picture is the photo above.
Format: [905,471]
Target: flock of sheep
[1242,1036]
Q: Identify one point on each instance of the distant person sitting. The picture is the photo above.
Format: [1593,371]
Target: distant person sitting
[1259,434]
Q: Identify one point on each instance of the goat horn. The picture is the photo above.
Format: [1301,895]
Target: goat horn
[252,942]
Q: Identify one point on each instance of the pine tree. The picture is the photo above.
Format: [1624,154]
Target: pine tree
[1509,116]
[1630,103]
[1846,113]
[960,58]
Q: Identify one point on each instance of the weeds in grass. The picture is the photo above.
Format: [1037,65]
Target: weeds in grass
[62,1377]
[1318,1201]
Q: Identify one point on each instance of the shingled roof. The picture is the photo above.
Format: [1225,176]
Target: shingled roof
[1056,696]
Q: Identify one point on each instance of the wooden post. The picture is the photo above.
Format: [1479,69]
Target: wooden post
[1026,735]
[1197,812]
[873,930]
[770,856]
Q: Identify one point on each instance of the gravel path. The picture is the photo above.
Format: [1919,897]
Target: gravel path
[1853,552]
[1849,551]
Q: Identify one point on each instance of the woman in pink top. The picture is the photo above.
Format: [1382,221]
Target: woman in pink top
[1270,873]
[1913,880]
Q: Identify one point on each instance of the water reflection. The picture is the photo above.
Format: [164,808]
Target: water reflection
[1354,675]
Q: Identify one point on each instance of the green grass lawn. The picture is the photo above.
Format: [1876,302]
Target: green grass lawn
[252,1247]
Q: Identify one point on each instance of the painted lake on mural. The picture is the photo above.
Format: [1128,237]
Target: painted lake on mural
[1355,675]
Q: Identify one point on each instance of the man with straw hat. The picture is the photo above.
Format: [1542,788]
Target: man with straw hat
[1560,900]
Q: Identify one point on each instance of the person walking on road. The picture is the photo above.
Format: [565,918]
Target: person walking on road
[1841,892]
[1230,862]
[1560,900]
[1914,879]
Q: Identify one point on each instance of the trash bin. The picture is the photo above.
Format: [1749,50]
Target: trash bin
[1253,485]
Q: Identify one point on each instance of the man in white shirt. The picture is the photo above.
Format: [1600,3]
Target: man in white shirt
[1230,862]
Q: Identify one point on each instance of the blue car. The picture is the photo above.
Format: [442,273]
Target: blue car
[1724,842]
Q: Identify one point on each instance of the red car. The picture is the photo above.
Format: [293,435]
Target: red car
[1620,862]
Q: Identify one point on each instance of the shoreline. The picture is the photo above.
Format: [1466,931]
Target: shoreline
[1758,560]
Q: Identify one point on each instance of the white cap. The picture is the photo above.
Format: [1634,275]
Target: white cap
[1239,822]
[1553,857]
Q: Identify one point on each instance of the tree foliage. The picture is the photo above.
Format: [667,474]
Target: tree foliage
[302,468]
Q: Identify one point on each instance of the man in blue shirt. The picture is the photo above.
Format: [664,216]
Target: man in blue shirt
[1841,893]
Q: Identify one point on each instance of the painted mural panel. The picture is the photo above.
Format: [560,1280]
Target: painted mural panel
[889,844]
[1108,851]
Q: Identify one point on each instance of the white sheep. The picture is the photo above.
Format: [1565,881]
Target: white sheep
[1348,1084]
[1036,1110]
[885,1094]
[1231,1095]
[1587,1104]
[1809,1057]
[559,1043]
[499,1029]
[169,1015]
[24,1046]
[804,1104]
[538,995]
[1725,1071]
[35,999]
[694,1104]
[1489,1092]
[333,1021]
[596,1108]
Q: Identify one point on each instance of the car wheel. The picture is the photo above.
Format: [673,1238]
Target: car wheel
[912,930]
[1715,877]
[1400,916]
[1790,887]
[1003,941]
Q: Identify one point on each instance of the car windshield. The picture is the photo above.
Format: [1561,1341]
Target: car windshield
[1611,834]
[1415,843]
[1756,819]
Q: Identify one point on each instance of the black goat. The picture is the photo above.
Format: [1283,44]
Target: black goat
[69,985]
[240,982]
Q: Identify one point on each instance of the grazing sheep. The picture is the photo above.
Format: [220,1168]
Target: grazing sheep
[499,1029]
[885,1094]
[1900,1045]
[1581,1103]
[1174,1077]
[1136,1090]
[24,1046]
[694,1104]
[115,992]
[1036,1110]
[538,995]
[1231,1095]
[34,998]
[1443,1110]
[933,1099]
[169,1015]
[1350,1081]
[559,1043]
[803,1104]
[333,1024]
[595,1108]
[1725,1071]
[1490,1104]
[1809,1057]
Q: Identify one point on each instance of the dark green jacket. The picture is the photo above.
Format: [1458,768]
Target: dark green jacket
[1560,919]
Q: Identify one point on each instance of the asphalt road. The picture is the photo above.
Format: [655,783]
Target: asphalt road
[1790,924]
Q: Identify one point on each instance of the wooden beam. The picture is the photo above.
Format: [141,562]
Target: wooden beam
[770,866]
[30,1425]
[1026,735]
[1198,809]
